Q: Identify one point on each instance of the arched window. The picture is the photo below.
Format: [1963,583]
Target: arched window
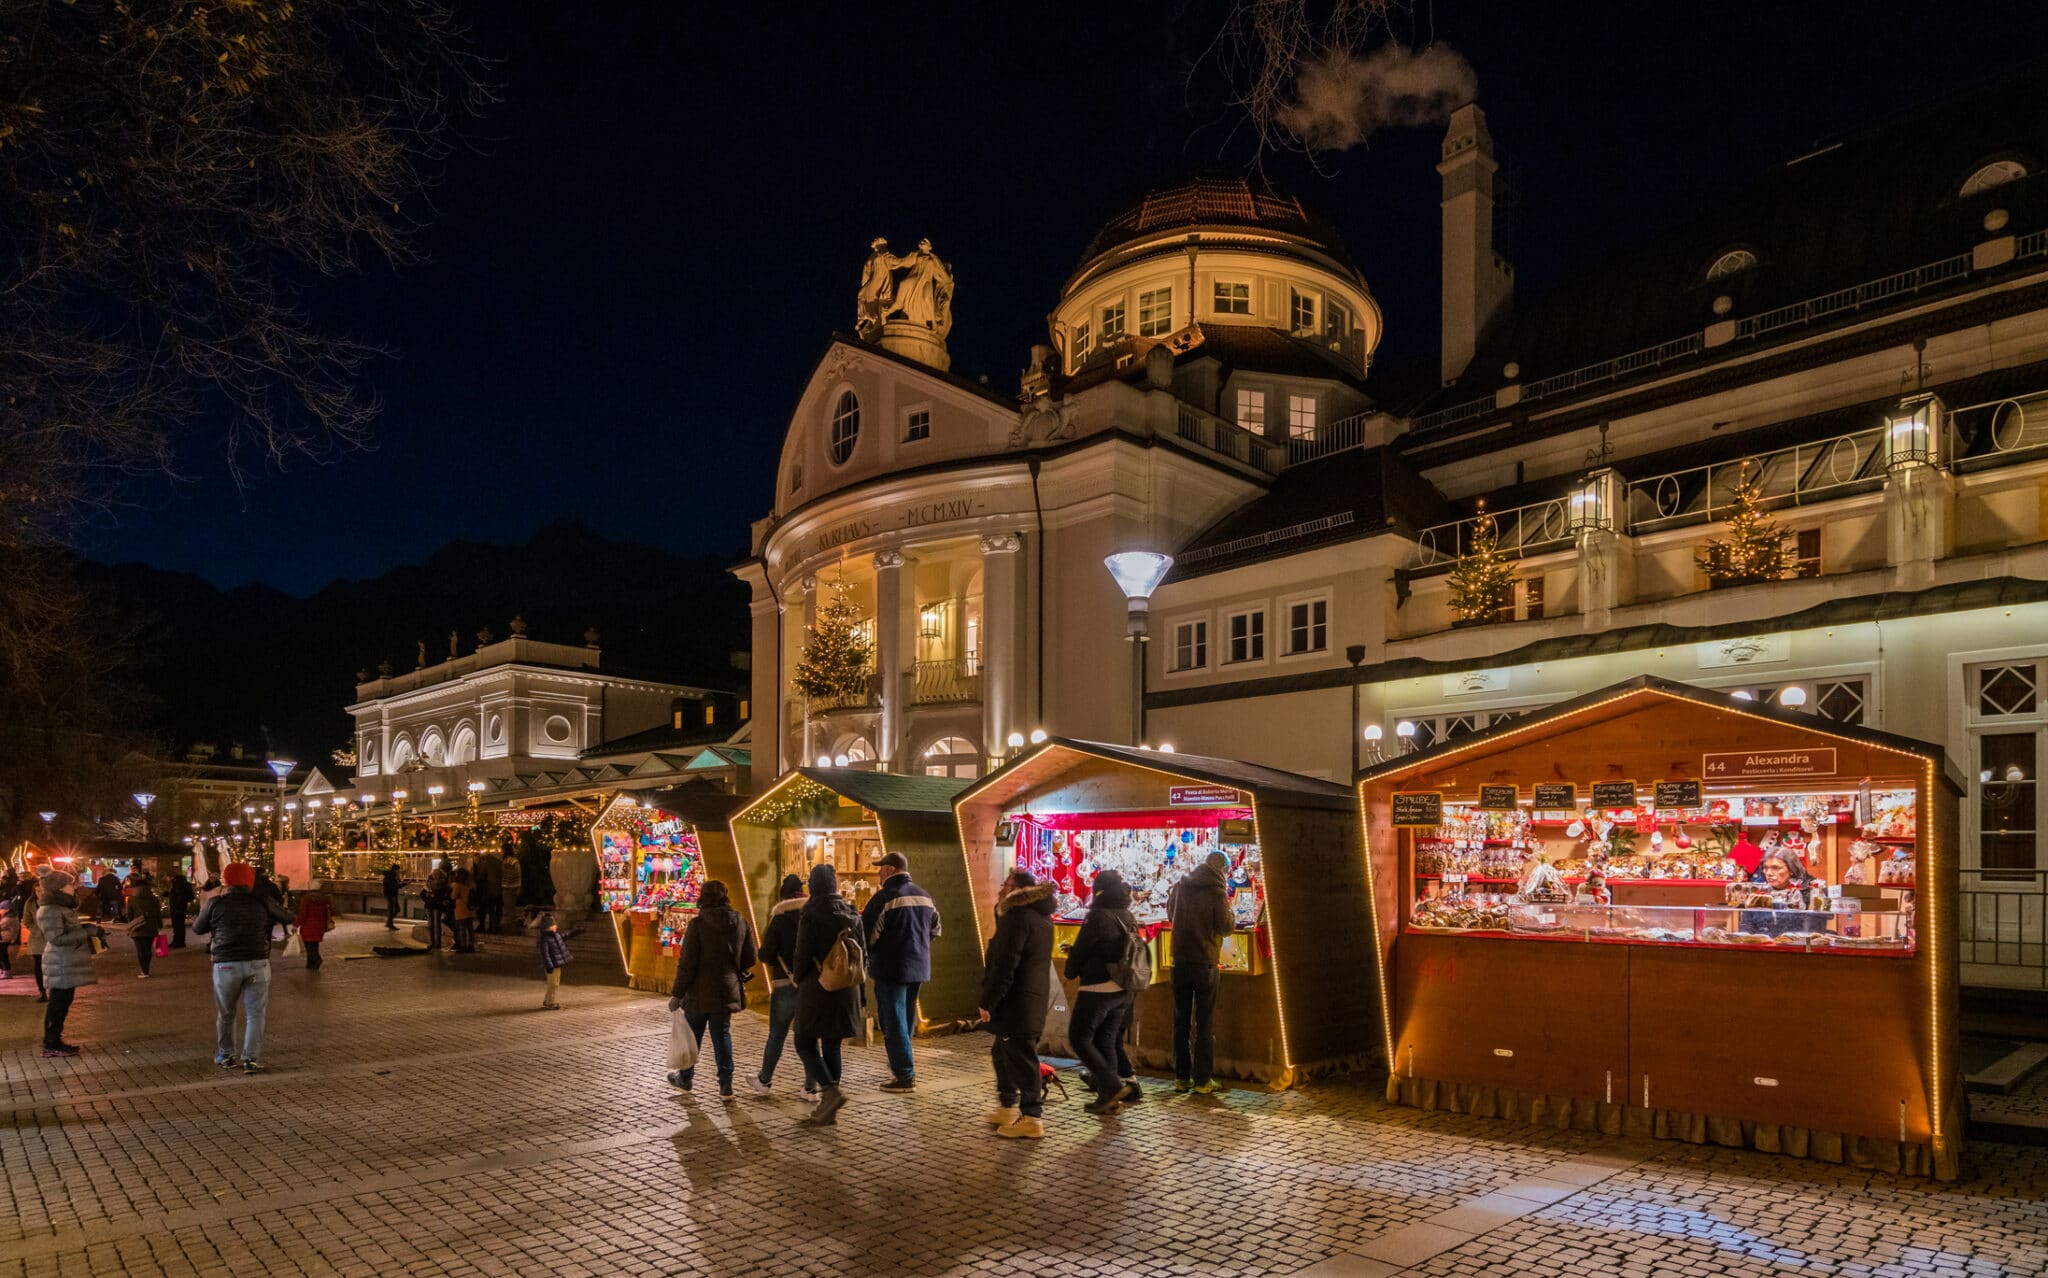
[401,754]
[858,753]
[463,749]
[845,427]
[1995,174]
[433,747]
[952,757]
[1733,262]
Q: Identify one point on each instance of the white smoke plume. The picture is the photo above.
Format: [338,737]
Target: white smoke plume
[1342,99]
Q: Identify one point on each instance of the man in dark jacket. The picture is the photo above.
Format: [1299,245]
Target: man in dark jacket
[1198,910]
[711,979]
[899,922]
[239,921]
[1016,990]
[778,953]
[179,903]
[1102,1007]
[487,893]
[108,889]
[272,893]
[391,897]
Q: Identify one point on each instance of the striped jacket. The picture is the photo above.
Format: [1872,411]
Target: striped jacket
[900,922]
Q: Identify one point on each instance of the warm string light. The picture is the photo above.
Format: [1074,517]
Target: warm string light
[1483,579]
[1754,549]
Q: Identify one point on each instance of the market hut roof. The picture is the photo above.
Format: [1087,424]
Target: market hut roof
[880,791]
[1632,695]
[1048,759]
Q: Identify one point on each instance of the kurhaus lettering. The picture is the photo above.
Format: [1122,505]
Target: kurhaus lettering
[844,533]
[918,516]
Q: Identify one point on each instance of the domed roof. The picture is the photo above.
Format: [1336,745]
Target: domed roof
[1214,199]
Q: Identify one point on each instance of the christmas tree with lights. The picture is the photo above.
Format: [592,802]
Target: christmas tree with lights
[1483,579]
[837,655]
[1754,549]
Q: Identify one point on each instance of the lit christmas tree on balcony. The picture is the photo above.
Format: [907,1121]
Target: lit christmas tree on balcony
[837,655]
[1483,579]
[1754,549]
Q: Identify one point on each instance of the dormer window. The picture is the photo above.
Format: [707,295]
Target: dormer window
[845,427]
[1733,262]
[1233,299]
[1992,175]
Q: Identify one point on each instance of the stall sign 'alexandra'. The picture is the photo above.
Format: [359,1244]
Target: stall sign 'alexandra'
[1819,762]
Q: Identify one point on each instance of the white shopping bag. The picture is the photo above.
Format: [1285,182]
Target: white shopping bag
[294,947]
[682,1042]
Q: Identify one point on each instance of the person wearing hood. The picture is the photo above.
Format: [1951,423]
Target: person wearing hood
[1016,992]
[778,951]
[67,956]
[239,923]
[554,956]
[1102,1008]
[712,971]
[1198,911]
[146,912]
[824,1018]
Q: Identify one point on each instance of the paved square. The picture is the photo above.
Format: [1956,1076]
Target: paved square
[428,1120]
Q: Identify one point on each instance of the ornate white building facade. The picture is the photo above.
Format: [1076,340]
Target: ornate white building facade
[1863,332]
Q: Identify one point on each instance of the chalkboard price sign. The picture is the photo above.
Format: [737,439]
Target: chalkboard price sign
[1414,809]
[1678,794]
[1610,795]
[1498,798]
[1557,798]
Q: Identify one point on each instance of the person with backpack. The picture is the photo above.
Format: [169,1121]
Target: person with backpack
[778,951]
[1110,958]
[712,971]
[1016,992]
[829,968]
[899,922]
[1198,910]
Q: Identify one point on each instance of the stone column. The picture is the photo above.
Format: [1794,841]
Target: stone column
[799,610]
[766,683]
[1919,521]
[1001,612]
[895,651]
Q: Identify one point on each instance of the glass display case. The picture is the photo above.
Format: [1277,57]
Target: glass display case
[1822,870]
[1153,851]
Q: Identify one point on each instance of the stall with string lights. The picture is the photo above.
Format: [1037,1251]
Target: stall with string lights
[1671,912]
[1290,1004]
[654,855]
[848,818]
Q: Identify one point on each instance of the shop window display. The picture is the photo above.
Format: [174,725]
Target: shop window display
[649,864]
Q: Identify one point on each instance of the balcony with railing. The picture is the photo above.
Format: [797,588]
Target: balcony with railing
[1228,439]
[1524,530]
[952,680]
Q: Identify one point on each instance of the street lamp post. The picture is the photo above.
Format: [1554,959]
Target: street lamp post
[1138,573]
[143,799]
[281,769]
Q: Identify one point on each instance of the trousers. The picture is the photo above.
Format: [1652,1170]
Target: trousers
[1017,1078]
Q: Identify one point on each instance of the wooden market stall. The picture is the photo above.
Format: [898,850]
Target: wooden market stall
[849,818]
[654,853]
[1666,911]
[1291,1002]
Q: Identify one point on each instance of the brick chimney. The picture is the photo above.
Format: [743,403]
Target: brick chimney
[1478,284]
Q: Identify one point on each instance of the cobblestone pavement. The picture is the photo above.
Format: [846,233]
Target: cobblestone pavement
[428,1120]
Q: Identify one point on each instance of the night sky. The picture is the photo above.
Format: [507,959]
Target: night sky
[666,218]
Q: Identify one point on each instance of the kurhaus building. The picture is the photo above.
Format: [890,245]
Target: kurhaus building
[1860,338]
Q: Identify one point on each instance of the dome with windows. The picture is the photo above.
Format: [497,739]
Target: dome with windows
[1213,201]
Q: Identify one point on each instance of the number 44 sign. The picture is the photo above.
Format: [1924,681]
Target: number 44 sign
[1761,764]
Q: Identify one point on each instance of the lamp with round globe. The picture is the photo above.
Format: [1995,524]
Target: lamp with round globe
[1373,735]
[1793,696]
[1038,736]
[1405,730]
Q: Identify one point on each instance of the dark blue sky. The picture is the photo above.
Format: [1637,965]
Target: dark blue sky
[631,278]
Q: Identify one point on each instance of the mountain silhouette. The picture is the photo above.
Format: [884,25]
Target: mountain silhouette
[232,665]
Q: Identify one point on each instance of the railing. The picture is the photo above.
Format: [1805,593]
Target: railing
[1344,433]
[1227,438]
[1259,540]
[1454,415]
[1904,283]
[1619,366]
[2003,918]
[1525,530]
[1788,477]
[955,680]
[2000,433]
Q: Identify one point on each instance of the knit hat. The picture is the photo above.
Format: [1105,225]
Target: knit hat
[55,880]
[1217,862]
[238,874]
[713,896]
[792,885]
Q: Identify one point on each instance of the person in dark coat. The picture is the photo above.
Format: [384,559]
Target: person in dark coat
[1102,1008]
[1016,990]
[1198,910]
[899,922]
[824,1017]
[391,897]
[146,915]
[778,952]
[269,891]
[712,971]
[178,902]
[107,888]
[487,897]
[239,922]
[554,956]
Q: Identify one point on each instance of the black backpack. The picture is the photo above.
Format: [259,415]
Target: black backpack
[1132,970]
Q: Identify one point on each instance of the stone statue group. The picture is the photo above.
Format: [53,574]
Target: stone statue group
[922,294]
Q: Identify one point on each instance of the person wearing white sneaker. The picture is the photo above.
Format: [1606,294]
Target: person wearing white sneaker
[1016,991]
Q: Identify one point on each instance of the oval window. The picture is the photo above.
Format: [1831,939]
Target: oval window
[497,729]
[845,427]
[557,729]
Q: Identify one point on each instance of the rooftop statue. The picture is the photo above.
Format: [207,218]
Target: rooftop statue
[922,295]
